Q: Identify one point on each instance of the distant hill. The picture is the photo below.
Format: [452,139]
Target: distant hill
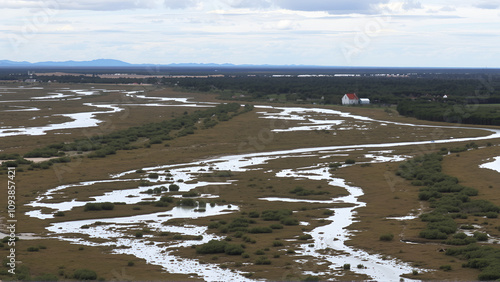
[118,63]
[93,63]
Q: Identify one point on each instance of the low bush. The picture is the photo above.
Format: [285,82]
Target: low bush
[98,206]
[386,237]
[85,274]
[305,237]
[32,249]
[278,243]
[263,261]
[212,247]
[233,250]
[173,188]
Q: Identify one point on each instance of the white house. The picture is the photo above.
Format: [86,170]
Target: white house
[364,101]
[350,99]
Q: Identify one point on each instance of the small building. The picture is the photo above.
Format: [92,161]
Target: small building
[350,99]
[364,101]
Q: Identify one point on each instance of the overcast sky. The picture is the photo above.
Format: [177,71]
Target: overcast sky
[425,33]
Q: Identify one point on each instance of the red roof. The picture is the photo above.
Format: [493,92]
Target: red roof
[352,96]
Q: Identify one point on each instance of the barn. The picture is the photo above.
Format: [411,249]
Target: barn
[350,99]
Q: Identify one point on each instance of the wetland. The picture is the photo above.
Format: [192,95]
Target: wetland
[276,192]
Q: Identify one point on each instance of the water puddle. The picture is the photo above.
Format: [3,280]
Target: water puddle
[494,165]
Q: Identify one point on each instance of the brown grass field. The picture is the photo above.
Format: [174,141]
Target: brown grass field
[386,195]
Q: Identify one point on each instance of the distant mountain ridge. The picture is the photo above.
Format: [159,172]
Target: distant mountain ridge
[118,63]
[101,63]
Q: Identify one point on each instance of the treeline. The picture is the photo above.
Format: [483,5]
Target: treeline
[97,79]
[153,133]
[449,201]
[328,90]
[386,90]
[449,111]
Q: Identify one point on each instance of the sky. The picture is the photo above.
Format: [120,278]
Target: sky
[408,33]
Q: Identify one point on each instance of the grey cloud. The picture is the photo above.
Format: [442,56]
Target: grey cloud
[180,4]
[248,3]
[411,4]
[448,9]
[333,7]
[488,5]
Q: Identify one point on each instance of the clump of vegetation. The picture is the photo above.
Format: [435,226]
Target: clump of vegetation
[386,237]
[350,161]
[85,274]
[300,191]
[99,206]
[32,249]
[305,237]
[450,200]
[219,247]
[278,244]
[263,260]
[173,187]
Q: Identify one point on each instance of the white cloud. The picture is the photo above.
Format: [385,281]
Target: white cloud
[99,5]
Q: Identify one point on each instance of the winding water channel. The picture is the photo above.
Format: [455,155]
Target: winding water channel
[115,232]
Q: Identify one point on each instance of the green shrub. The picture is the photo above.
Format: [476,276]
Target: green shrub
[311,278]
[212,247]
[187,202]
[107,206]
[278,243]
[445,267]
[173,188]
[276,226]
[32,249]
[85,274]
[329,212]
[263,261]
[305,237]
[260,252]
[275,215]
[350,161]
[481,236]
[98,206]
[233,250]
[253,214]
[289,221]
[432,234]
[386,237]
[190,194]
[59,213]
